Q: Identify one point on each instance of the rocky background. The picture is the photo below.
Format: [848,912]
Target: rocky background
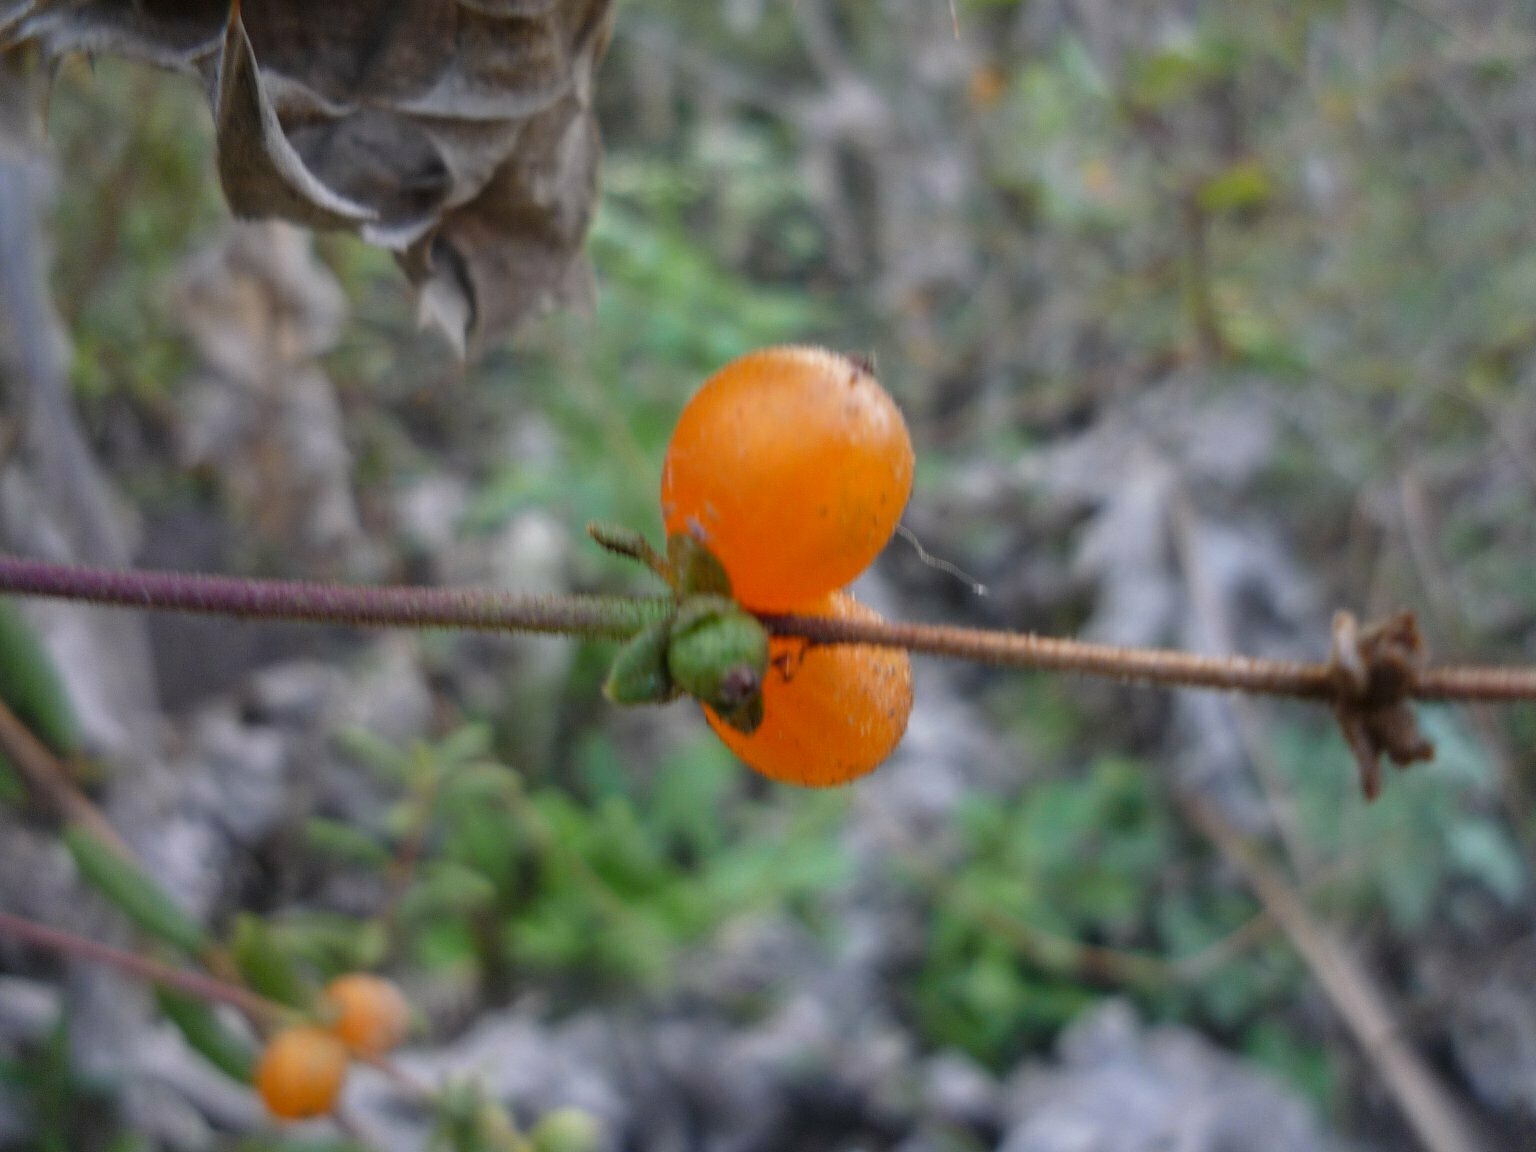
[1207,319]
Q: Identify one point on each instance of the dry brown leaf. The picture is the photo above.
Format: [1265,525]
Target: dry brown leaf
[457,133]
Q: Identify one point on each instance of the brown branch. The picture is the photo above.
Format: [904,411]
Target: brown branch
[196,984]
[477,609]
[1161,666]
[48,778]
[618,617]
[1371,676]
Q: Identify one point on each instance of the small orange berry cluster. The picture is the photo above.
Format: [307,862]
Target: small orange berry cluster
[792,466]
[304,1066]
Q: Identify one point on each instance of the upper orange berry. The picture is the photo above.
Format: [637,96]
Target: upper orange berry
[831,713]
[372,1016]
[792,465]
[301,1072]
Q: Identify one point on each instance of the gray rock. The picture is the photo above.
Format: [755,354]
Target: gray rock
[428,511]
[1490,1014]
[1120,1088]
[959,1092]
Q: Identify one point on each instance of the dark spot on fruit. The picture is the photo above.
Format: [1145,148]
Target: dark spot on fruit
[739,685]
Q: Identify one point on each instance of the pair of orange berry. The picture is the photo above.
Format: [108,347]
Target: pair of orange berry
[303,1067]
[792,465]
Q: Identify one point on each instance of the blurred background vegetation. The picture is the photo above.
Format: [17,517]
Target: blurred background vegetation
[1207,318]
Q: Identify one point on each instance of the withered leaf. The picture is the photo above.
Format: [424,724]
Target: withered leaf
[457,133]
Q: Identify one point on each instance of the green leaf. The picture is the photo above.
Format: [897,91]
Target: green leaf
[1246,184]
[687,802]
[481,784]
[465,744]
[329,941]
[266,965]
[344,843]
[207,1035]
[1482,850]
[30,684]
[567,1130]
[12,790]
[443,888]
[446,945]
[382,757]
[133,892]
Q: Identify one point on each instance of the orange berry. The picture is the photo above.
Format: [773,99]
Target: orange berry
[301,1072]
[792,465]
[372,1016]
[830,713]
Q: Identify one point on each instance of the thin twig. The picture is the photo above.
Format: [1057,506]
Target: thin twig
[196,984]
[1215,622]
[46,776]
[480,609]
[620,617]
[1163,666]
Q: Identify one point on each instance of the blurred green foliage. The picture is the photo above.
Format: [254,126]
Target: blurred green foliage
[607,886]
[669,312]
[1068,859]
[1079,860]
[1442,832]
[69,1111]
[136,193]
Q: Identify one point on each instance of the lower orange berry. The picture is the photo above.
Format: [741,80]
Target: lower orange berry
[831,713]
[301,1072]
[372,1016]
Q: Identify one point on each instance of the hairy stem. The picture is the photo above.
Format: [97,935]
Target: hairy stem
[1023,650]
[478,609]
[1162,666]
[620,617]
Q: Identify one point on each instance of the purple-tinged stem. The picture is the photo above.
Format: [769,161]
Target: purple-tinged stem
[478,609]
[196,984]
[620,617]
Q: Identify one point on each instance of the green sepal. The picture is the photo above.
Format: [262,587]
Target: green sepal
[639,673]
[719,654]
[695,570]
[133,891]
[632,545]
[265,965]
[206,1034]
